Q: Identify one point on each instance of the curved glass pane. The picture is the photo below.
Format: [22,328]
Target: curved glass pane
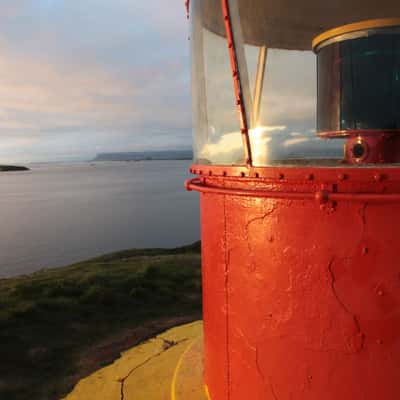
[279,77]
[217,137]
[279,84]
[284,131]
[349,99]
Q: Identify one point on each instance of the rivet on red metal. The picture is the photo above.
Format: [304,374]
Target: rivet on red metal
[379,177]
[244,128]
[310,177]
[322,196]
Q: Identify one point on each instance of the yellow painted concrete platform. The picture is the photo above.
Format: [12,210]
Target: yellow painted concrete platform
[168,367]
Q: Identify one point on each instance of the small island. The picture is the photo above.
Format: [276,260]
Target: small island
[9,168]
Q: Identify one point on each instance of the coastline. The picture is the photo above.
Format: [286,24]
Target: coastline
[59,325]
[78,202]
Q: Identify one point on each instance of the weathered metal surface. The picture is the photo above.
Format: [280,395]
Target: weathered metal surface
[373,148]
[215,316]
[301,299]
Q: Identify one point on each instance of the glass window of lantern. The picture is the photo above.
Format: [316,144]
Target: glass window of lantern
[278,71]
[278,74]
[281,101]
[217,137]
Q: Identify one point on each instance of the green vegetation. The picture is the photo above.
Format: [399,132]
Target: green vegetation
[49,319]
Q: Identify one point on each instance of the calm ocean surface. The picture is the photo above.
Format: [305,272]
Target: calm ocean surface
[57,214]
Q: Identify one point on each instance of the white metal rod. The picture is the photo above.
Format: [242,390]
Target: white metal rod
[259,84]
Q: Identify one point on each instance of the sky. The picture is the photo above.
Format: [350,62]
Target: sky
[80,77]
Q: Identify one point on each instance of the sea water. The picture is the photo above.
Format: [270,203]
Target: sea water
[57,214]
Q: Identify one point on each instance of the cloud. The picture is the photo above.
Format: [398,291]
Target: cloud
[288,109]
[12,8]
[227,150]
[292,142]
[79,76]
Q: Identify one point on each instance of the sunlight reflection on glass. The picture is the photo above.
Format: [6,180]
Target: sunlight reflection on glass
[261,138]
[227,150]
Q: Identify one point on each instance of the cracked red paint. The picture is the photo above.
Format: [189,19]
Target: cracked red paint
[291,293]
[356,343]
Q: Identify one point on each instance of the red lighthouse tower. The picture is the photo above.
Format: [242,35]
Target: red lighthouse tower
[300,220]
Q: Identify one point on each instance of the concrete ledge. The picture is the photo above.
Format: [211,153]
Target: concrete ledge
[167,367]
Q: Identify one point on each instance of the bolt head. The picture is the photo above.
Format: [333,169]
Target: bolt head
[379,177]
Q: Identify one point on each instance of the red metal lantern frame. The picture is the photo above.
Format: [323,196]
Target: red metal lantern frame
[300,276]
[239,97]
[376,185]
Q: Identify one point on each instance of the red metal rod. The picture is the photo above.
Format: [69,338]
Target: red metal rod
[320,196]
[365,197]
[187,5]
[196,185]
[244,127]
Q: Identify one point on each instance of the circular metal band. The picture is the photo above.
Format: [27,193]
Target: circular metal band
[358,26]
[320,196]
[345,133]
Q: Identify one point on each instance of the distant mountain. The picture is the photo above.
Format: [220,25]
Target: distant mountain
[146,155]
[5,168]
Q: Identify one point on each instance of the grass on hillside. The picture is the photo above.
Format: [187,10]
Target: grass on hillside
[49,318]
